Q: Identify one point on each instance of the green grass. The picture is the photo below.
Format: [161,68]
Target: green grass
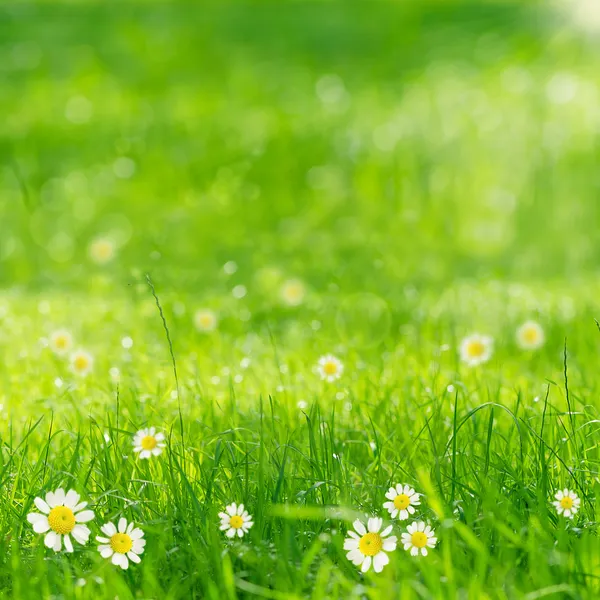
[427,170]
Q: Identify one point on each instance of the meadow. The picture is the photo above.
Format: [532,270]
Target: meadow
[294,257]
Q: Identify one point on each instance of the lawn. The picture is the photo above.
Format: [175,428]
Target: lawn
[282,255]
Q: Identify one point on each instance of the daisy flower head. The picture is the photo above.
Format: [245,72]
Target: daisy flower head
[82,362]
[368,545]
[476,349]
[402,501]
[530,336]
[419,538]
[330,368]
[123,543]
[61,516]
[567,503]
[293,292]
[235,520]
[147,442]
[205,320]
[102,250]
[61,342]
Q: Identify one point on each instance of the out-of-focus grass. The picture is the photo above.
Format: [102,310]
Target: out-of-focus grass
[425,170]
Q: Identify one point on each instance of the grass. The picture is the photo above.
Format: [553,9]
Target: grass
[426,170]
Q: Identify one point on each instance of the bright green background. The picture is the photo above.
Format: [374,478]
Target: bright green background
[436,159]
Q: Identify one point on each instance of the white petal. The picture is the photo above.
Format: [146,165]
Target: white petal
[366,564]
[59,497]
[79,507]
[421,526]
[374,524]
[424,551]
[359,527]
[105,551]
[350,544]
[414,551]
[160,437]
[231,509]
[41,525]
[68,543]
[145,454]
[379,561]
[84,516]
[386,531]
[389,544]
[122,525]
[41,505]
[412,527]
[50,539]
[109,529]
[138,546]
[240,509]
[81,534]
[50,499]
[355,556]
[57,543]
[404,514]
[102,540]
[136,534]
[230,533]
[134,557]
[71,499]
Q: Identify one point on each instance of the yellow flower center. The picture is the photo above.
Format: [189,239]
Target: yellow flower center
[121,543]
[61,519]
[530,335]
[236,521]
[475,349]
[370,544]
[61,342]
[566,503]
[148,442]
[401,501]
[81,362]
[330,368]
[419,539]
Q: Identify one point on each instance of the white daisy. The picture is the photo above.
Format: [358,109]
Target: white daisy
[419,538]
[62,517]
[148,443]
[61,342]
[330,368]
[530,336]
[476,349]
[235,520]
[82,362]
[293,292]
[205,320]
[403,500]
[102,250]
[567,503]
[367,546]
[123,544]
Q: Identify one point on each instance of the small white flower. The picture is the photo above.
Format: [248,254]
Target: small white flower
[293,292]
[567,503]
[419,538]
[530,336]
[235,520]
[330,368]
[148,443]
[82,362]
[102,250]
[205,320]
[368,546]
[476,349]
[62,517]
[124,543]
[61,342]
[403,500]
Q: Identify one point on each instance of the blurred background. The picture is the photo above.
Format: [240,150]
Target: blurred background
[360,146]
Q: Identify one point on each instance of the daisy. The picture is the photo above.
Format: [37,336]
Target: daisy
[330,368]
[61,342]
[205,320]
[403,499]
[419,538]
[567,503]
[62,517]
[122,544]
[102,250]
[368,546]
[476,349]
[530,336]
[82,362]
[293,292]
[235,520]
[147,442]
